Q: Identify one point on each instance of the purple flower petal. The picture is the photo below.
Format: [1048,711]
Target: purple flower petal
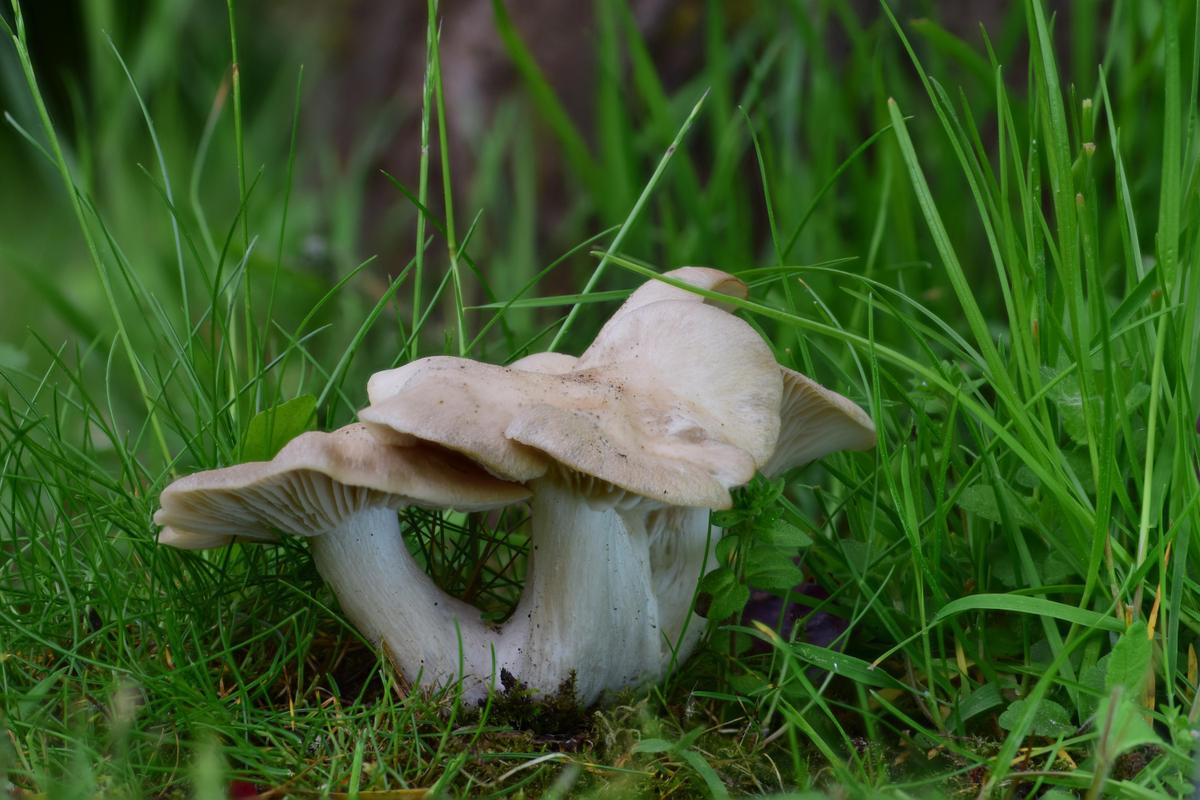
[820,627]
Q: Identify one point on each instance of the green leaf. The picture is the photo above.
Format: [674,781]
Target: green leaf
[784,534]
[980,500]
[856,669]
[716,789]
[1139,393]
[653,746]
[1055,568]
[725,547]
[1020,604]
[1050,719]
[728,595]
[731,517]
[767,568]
[765,493]
[1123,726]
[35,697]
[1024,477]
[719,581]
[1070,412]
[981,699]
[1092,679]
[856,554]
[271,429]
[729,603]
[749,684]
[1000,562]
[1081,465]
[1129,663]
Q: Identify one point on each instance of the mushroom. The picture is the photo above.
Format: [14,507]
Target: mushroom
[626,450]
[622,453]
[342,490]
[674,404]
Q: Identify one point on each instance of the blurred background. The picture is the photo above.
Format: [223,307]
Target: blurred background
[624,76]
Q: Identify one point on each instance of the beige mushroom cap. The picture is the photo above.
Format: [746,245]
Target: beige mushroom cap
[816,422]
[547,363]
[653,291]
[626,453]
[702,356]
[464,406]
[676,401]
[314,483]
[698,394]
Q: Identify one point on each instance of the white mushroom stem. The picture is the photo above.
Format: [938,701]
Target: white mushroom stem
[588,607]
[386,594]
[682,551]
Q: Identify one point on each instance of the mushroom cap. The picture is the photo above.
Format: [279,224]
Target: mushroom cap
[315,482]
[814,420]
[703,356]
[518,425]
[461,405]
[696,406]
[653,291]
[547,363]
[676,401]
[815,423]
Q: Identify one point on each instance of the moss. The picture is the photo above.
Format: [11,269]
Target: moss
[557,717]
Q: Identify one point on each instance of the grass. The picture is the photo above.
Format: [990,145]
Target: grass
[991,252]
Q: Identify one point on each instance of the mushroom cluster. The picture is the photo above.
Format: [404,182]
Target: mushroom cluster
[620,454]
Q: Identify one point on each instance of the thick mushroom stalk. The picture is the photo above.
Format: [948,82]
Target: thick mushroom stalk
[588,613]
[432,636]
